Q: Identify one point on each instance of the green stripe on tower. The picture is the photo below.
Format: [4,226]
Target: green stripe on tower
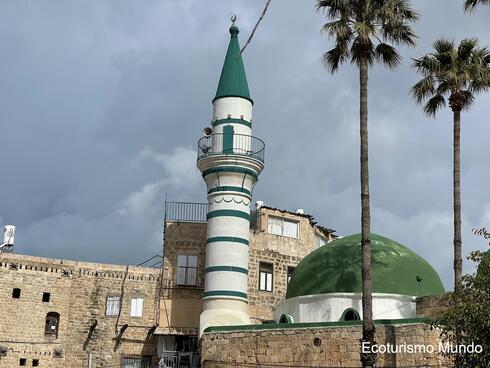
[229,189]
[232,121]
[230,239]
[230,169]
[225,293]
[227,269]
[228,213]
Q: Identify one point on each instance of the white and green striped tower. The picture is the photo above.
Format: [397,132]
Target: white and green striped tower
[230,160]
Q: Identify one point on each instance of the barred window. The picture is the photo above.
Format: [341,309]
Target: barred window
[113,305]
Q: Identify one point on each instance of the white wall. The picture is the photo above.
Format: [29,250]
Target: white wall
[329,307]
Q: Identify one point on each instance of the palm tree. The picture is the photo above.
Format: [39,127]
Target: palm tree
[362,31]
[455,73]
[471,4]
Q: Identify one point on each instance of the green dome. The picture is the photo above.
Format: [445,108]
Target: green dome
[336,268]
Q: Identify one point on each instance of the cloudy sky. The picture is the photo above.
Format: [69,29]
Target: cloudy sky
[102,102]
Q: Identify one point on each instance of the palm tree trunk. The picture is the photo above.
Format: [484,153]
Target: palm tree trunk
[458,262]
[367,359]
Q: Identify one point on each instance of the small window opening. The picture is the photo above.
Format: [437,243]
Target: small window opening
[290,273]
[350,315]
[46,297]
[23,362]
[35,362]
[16,293]
[52,323]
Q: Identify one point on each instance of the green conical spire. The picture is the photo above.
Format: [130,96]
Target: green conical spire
[233,80]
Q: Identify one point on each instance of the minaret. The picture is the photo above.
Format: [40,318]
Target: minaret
[230,160]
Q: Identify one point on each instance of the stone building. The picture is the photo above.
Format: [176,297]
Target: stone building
[58,313]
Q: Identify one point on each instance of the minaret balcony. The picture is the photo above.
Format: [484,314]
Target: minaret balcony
[231,144]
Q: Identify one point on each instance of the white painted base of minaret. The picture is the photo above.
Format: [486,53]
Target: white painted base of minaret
[219,312]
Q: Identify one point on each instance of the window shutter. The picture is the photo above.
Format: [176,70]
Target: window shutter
[269,281]
[274,225]
[291,229]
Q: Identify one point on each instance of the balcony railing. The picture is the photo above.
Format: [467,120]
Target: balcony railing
[186,211]
[231,144]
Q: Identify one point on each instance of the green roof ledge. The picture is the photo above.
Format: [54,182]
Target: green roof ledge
[233,80]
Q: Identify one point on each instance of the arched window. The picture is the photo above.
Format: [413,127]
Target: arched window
[52,324]
[350,314]
[286,318]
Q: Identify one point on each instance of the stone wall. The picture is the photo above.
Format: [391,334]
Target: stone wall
[431,306]
[334,346]
[282,252]
[77,292]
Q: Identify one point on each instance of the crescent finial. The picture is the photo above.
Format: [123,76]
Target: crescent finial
[233,18]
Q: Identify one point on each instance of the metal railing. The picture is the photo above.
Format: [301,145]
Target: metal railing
[231,144]
[186,211]
[179,360]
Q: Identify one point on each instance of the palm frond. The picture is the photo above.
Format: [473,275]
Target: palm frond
[334,57]
[427,65]
[434,104]
[423,89]
[339,29]
[468,99]
[466,47]
[388,55]
[469,5]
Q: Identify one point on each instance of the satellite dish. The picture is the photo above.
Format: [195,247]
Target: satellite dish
[207,131]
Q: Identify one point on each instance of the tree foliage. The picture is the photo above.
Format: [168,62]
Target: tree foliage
[367,26]
[467,321]
[471,4]
[452,73]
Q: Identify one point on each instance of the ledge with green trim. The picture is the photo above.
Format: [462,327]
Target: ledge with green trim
[282,326]
[229,189]
[230,169]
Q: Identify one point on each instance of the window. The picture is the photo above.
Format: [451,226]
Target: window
[350,315]
[283,227]
[52,323]
[290,272]
[266,271]
[46,297]
[186,270]
[137,307]
[320,240]
[35,362]
[16,293]
[112,306]
[23,362]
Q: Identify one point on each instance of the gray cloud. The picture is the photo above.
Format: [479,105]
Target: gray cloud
[101,105]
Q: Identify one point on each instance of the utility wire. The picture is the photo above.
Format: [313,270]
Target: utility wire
[255,28]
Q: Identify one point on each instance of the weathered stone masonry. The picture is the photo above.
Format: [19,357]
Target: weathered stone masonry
[334,346]
[78,293]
